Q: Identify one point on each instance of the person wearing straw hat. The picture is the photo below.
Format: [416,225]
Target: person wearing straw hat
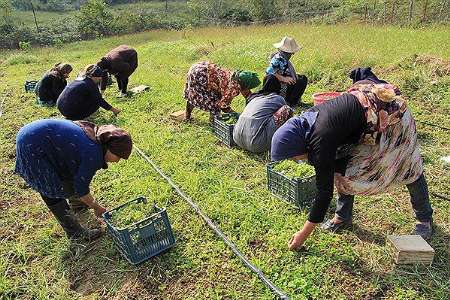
[293,85]
[212,88]
[59,158]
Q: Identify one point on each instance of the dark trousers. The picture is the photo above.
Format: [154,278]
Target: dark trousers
[294,92]
[122,83]
[51,201]
[418,190]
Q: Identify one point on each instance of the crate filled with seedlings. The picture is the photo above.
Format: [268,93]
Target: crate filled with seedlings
[293,182]
[140,230]
[223,127]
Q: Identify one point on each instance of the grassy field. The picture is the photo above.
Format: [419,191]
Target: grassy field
[37,262]
[46,18]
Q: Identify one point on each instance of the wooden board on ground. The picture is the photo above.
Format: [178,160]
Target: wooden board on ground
[446,160]
[178,115]
[139,89]
[411,249]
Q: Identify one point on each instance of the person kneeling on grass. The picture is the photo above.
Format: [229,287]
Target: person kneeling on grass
[376,118]
[52,84]
[211,88]
[281,69]
[264,113]
[58,159]
[120,62]
[81,98]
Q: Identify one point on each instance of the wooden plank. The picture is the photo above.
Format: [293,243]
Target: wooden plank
[411,249]
[139,89]
[178,115]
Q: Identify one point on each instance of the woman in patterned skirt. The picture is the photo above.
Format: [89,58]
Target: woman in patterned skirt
[59,158]
[212,88]
[374,117]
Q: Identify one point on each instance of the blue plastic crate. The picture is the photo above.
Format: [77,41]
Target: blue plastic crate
[297,191]
[223,130]
[30,85]
[144,239]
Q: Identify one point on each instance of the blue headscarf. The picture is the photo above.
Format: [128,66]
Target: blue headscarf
[292,138]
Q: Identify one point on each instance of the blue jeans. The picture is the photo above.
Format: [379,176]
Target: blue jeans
[418,190]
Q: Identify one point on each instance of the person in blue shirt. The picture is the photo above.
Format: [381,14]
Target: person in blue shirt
[82,97]
[281,69]
[59,158]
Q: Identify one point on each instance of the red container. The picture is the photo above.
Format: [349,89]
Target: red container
[320,98]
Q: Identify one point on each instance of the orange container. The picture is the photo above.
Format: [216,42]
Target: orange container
[322,97]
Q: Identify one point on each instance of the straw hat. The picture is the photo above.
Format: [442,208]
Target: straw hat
[288,45]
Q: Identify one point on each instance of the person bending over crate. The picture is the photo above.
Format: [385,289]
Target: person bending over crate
[375,118]
[120,62]
[81,98]
[264,113]
[293,85]
[212,88]
[52,84]
[58,159]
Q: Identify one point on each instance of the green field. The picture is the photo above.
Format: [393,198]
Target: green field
[38,262]
[47,18]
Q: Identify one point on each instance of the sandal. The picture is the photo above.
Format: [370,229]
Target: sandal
[335,227]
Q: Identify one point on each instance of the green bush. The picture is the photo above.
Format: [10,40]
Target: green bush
[94,19]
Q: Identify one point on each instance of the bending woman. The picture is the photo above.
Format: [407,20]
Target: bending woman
[81,98]
[52,84]
[264,113]
[59,158]
[211,88]
[121,62]
[375,117]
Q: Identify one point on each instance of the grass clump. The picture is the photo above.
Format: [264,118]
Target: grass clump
[293,169]
[21,59]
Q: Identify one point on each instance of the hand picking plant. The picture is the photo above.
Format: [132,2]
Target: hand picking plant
[292,169]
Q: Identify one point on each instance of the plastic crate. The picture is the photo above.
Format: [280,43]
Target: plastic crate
[30,85]
[297,191]
[223,130]
[144,239]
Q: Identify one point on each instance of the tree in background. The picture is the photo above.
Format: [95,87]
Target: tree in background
[94,19]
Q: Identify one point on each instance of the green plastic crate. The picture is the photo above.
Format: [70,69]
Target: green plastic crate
[297,191]
[30,85]
[223,130]
[144,239]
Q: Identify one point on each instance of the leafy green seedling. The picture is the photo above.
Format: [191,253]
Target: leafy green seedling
[292,169]
[130,214]
[230,118]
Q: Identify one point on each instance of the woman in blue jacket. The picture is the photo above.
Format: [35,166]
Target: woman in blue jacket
[59,158]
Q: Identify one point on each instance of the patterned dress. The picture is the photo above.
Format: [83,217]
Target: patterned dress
[389,153]
[210,88]
[52,152]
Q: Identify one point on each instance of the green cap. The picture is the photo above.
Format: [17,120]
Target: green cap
[248,80]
